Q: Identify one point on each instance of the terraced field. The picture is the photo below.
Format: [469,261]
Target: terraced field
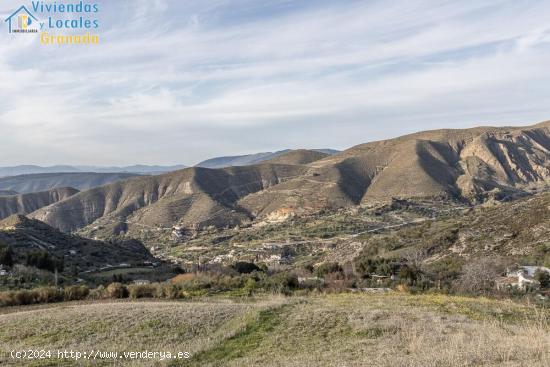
[321,330]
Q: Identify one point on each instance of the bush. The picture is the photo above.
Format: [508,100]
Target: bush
[280,283]
[98,293]
[478,276]
[28,297]
[76,292]
[168,291]
[142,291]
[328,267]
[47,295]
[116,290]
[543,277]
[243,267]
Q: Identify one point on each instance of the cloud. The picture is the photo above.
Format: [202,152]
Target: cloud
[177,82]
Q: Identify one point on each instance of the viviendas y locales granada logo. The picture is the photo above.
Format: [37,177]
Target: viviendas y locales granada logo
[57,22]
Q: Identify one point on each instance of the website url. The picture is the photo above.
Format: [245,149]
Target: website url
[69,354]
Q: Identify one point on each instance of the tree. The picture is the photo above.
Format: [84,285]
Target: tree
[543,278]
[6,256]
[478,276]
[244,267]
[43,260]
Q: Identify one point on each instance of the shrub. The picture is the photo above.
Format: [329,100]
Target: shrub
[243,267]
[281,283]
[76,292]
[47,295]
[7,298]
[169,291]
[98,293]
[116,290]
[328,267]
[142,291]
[543,277]
[249,286]
[478,275]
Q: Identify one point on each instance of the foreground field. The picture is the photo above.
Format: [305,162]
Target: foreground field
[324,330]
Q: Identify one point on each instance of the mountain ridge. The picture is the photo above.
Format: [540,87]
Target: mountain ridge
[28,203]
[250,159]
[472,165]
[46,181]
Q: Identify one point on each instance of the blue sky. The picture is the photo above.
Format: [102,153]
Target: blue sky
[181,81]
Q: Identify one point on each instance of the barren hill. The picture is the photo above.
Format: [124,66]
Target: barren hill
[27,203]
[193,196]
[298,156]
[470,165]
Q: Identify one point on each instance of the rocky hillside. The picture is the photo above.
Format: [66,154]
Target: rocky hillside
[472,164]
[25,235]
[28,203]
[469,165]
[190,197]
[47,181]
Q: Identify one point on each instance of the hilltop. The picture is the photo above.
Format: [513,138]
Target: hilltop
[298,156]
[250,159]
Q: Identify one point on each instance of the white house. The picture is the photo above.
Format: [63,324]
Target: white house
[3,272]
[521,277]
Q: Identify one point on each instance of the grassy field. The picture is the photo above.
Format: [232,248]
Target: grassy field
[323,330]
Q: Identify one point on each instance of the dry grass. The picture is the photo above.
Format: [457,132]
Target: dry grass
[331,330]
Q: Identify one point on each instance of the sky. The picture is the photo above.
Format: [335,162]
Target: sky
[176,82]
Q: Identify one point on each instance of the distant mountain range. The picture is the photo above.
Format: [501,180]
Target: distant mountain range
[136,169]
[249,159]
[46,181]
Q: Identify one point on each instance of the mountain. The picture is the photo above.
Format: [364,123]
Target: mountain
[24,235]
[250,159]
[27,203]
[136,169]
[30,169]
[8,192]
[471,165]
[192,197]
[48,181]
[299,156]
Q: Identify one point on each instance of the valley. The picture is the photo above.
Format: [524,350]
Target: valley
[371,243]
